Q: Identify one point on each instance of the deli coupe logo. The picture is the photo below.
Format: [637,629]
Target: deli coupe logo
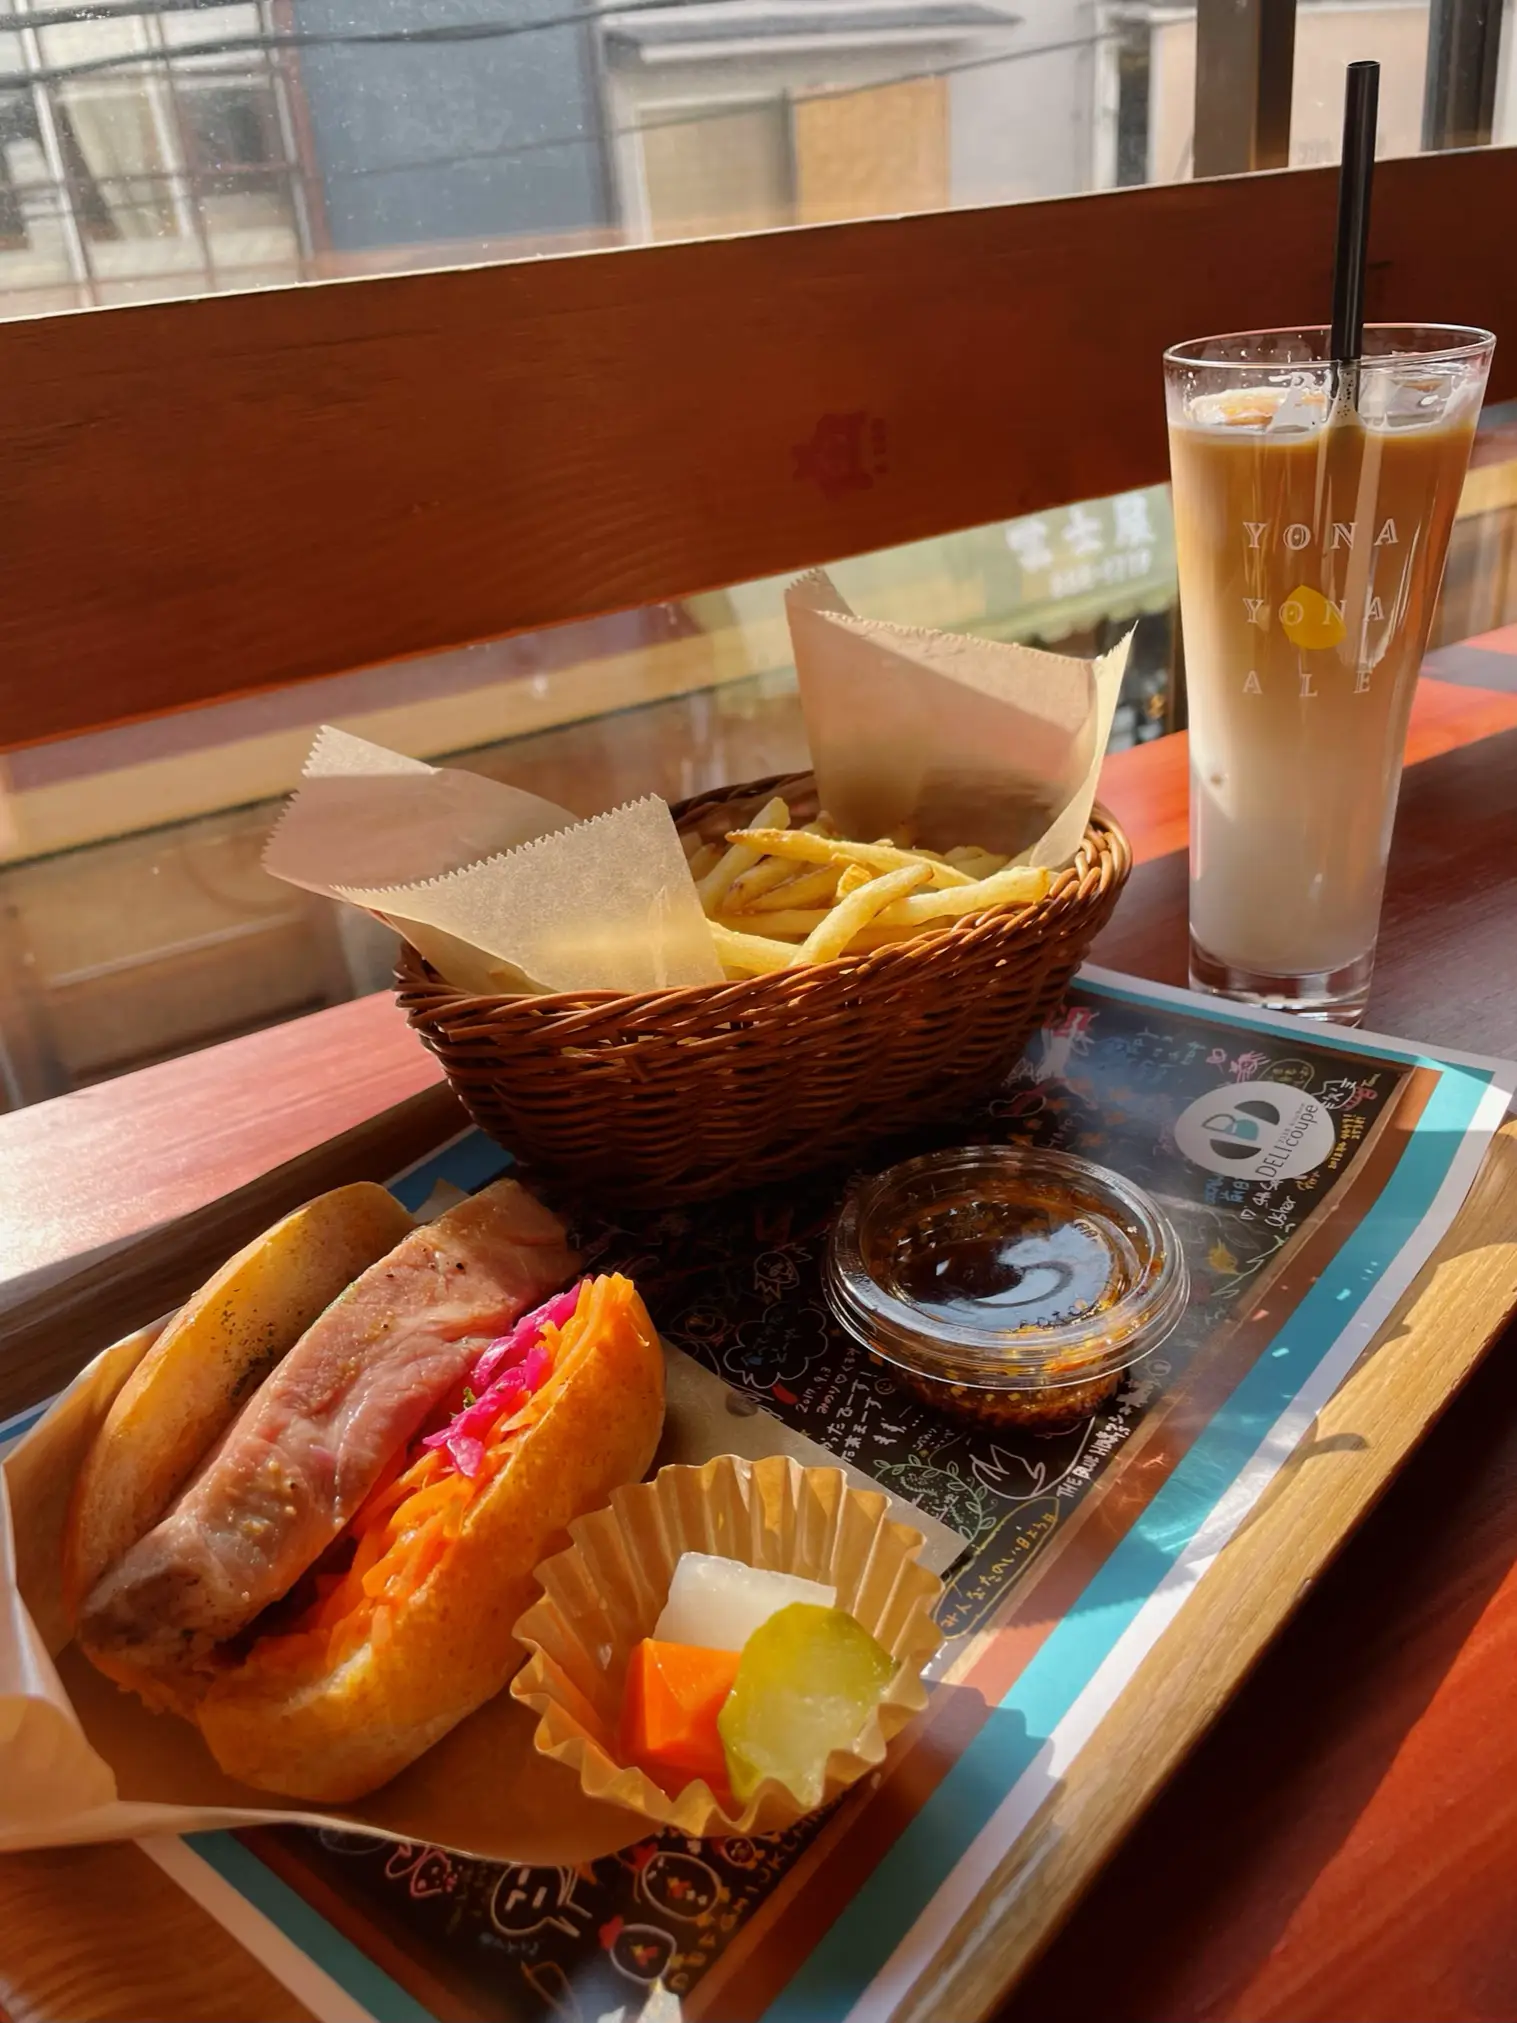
[1261,1131]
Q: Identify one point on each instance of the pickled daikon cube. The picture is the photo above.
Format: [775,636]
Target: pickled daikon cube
[718,1603]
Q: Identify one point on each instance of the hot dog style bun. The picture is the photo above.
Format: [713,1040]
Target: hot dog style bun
[333,1586]
[402,1650]
[211,1356]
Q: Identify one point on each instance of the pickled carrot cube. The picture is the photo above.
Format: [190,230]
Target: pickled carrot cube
[674,1694]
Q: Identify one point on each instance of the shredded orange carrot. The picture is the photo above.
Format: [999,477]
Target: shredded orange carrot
[414,1513]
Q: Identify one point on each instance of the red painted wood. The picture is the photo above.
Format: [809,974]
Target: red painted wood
[109,1162]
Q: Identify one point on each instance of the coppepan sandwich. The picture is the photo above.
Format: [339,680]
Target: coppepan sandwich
[310,1519]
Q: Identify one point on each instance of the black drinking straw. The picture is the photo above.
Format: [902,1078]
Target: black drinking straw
[1361,94]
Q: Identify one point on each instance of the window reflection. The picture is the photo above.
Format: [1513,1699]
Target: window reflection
[136,921]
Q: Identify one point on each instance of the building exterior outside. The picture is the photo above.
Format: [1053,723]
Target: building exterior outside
[196,145]
[144,153]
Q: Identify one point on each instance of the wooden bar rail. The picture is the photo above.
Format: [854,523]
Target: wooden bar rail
[206,498]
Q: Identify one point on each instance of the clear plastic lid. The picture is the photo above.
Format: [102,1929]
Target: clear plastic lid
[1005,1269]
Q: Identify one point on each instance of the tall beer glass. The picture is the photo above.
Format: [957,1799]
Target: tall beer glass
[1312,520]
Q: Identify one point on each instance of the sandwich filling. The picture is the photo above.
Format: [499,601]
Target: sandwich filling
[308,1449]
[405,1528]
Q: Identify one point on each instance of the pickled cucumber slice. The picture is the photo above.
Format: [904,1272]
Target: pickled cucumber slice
[808,1680]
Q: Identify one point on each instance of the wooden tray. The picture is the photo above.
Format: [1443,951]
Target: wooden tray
[102,1931]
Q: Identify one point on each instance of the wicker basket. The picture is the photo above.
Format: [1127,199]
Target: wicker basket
[675,1095]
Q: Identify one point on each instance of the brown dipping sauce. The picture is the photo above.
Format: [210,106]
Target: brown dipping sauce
[1003,1285]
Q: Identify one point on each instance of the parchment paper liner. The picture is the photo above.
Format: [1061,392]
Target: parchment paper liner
[604,1594]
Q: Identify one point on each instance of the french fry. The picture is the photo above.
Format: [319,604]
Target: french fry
[751,954]
[757,887]
[778,897]
[811,888]
[978,863]
[835,932]
[751,886]
[794,925]
[740,856]
[833,850]
[1018,885]
[901,839]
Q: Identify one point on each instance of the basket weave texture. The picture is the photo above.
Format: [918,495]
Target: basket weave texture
[664,1096]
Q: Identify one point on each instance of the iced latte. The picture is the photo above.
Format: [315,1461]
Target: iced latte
[1311,531]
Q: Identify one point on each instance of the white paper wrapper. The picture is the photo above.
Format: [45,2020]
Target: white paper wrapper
[499,890]
[367,816]
[82,1761]
[950,739]
[603,1595]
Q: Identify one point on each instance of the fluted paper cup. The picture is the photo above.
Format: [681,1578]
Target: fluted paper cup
[603,1595]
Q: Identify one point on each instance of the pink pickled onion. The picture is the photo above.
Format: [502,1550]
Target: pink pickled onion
[525,1335]
[537,1368]
[510,1371]
[468,1454]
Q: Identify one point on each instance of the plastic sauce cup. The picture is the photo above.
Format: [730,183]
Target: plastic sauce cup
[1004,1285]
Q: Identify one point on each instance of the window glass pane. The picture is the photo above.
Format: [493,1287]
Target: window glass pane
[185,149]
[145,154]
[861,153]
[1171,66]
[1504,125]
[725,170]
[1331,35]
[116,151]
[210,146]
